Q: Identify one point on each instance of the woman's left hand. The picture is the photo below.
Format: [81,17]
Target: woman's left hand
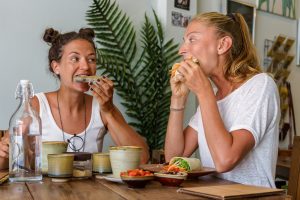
[103,90]
[120,132]
[193,76]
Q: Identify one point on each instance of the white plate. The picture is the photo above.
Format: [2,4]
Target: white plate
[111,178]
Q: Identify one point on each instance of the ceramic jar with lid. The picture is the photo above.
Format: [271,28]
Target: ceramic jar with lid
[82,165]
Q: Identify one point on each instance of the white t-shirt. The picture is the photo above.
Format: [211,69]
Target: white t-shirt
[95,131]
[253,106]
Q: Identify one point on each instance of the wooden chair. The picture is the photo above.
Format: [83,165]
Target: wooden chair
[294,174]
[283,164]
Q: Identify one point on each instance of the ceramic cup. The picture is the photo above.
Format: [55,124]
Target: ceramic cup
[123,158]
[60,165]
[51,147]
[101,163]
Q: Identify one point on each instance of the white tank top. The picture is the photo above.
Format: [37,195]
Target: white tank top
[95,131]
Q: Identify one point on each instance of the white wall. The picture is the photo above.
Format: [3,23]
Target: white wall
[164,9]
[268,26]
[22,50]
[23,53]
[295,77]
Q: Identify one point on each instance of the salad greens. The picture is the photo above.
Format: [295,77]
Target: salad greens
[182,164]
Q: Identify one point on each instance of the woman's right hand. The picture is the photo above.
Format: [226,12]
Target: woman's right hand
[4,147]
[178,87]
[103,91]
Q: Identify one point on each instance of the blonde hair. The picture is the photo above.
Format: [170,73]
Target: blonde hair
[242,61]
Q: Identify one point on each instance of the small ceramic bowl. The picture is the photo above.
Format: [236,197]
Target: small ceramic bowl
[170,179]
[123,158]
[101,163]
[51,147]
[136,181]
[60,165]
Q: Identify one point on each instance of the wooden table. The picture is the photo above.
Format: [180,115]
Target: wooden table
[103,189]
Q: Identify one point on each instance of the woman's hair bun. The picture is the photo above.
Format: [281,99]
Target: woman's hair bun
[87,32]
[50,35]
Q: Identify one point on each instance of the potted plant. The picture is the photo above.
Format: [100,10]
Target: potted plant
[140,74]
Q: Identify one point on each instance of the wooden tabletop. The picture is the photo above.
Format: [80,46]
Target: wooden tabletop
[103,189]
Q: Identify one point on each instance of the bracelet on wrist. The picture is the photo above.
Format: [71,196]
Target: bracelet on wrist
[176,109]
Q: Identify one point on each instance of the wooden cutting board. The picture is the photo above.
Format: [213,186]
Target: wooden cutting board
[232,191]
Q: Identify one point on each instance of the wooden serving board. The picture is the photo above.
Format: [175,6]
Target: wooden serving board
[232,191]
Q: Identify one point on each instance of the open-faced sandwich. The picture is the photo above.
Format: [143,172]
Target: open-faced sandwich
[86,79]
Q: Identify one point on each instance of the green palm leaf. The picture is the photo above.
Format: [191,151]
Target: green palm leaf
[141,80]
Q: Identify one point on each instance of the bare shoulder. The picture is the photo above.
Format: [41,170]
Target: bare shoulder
[35,104]
[50,96]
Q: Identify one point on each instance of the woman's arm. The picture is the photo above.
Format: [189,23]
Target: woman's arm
[185,144]
[4,151]
[121,132]
[177,141]
[226,148]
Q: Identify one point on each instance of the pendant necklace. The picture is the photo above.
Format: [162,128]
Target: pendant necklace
[71,141]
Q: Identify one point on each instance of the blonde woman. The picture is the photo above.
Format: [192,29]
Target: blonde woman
[236,125]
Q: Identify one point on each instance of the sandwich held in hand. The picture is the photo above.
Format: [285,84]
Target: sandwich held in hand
[86,79]
[173,71]
[176,74]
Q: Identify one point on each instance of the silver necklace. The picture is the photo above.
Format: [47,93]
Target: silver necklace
[71,141]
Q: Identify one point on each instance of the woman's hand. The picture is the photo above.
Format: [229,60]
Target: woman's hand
[179,89]
[121,133]
[193,77]
[103,91]
[4,147]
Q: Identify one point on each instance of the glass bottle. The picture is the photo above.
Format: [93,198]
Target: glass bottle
[25,131]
